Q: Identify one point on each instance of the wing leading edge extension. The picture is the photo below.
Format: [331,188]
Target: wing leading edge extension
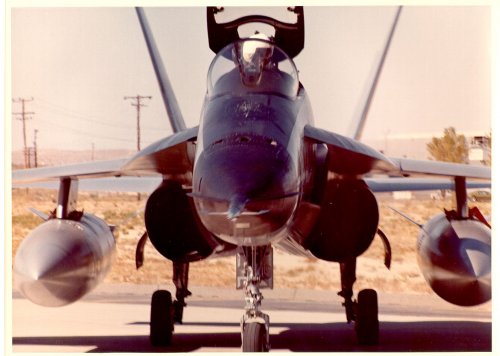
[348,156]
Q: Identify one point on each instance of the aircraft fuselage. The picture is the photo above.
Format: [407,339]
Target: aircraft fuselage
[249,169]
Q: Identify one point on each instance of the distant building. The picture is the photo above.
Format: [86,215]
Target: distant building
[479,150]
[402,195]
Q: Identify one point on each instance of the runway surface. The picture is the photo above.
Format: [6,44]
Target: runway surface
[115,318]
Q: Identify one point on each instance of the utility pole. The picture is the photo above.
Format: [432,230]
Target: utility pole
[35,148]
[23,117]
[138,104]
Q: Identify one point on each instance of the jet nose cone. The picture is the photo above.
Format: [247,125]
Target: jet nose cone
[245,191]
[243,168]
[50,266]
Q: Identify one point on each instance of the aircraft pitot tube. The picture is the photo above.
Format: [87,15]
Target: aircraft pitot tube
[454,256]
[63,259]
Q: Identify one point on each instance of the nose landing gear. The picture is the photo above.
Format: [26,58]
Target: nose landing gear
[254,323]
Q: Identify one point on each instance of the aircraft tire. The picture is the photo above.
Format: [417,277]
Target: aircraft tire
[254,338]
[161,324]
[367,324]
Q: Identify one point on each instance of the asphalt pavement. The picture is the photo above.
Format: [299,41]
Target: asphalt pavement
[115,318]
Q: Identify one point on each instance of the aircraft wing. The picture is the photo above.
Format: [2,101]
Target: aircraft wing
[84,170]
[107,184]
[394,184]
[172,155]
[421,167]
[348,156]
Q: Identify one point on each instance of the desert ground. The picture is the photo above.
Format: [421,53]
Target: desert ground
[125,211]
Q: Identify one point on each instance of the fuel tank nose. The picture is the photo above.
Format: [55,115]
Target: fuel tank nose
[468,287]
[455,258]
[61,260]
[479,264]
[49,263]
[245,189]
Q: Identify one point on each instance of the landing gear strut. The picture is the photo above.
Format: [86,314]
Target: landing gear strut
[180,279]
[364,311]
[254,323]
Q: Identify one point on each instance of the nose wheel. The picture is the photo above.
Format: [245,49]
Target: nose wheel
[254,338]
[254,323]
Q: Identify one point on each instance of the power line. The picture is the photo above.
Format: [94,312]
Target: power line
[59,109]
[86,134]
[73,129]
[23,117]
[138,104]
[76,115]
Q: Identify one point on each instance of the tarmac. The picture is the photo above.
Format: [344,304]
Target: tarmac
[115,318]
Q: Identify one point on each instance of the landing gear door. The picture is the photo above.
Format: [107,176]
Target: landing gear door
[263,267]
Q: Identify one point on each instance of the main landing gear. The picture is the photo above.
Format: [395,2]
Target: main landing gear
[165,312]
[161,325]
[254,269]
[364,311]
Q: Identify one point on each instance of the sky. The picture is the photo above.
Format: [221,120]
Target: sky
[78,64]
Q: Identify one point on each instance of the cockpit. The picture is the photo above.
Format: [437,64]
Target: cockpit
[252,65]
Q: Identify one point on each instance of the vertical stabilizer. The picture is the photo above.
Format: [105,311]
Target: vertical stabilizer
[369,92]
[167,93]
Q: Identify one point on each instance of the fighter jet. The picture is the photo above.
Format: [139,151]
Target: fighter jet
[256,175]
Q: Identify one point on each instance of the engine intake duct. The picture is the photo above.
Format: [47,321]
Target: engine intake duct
[174,227]
[347,222]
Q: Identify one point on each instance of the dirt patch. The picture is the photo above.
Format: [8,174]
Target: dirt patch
[125,211]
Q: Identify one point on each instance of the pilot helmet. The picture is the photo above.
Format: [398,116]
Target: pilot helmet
[253,56]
